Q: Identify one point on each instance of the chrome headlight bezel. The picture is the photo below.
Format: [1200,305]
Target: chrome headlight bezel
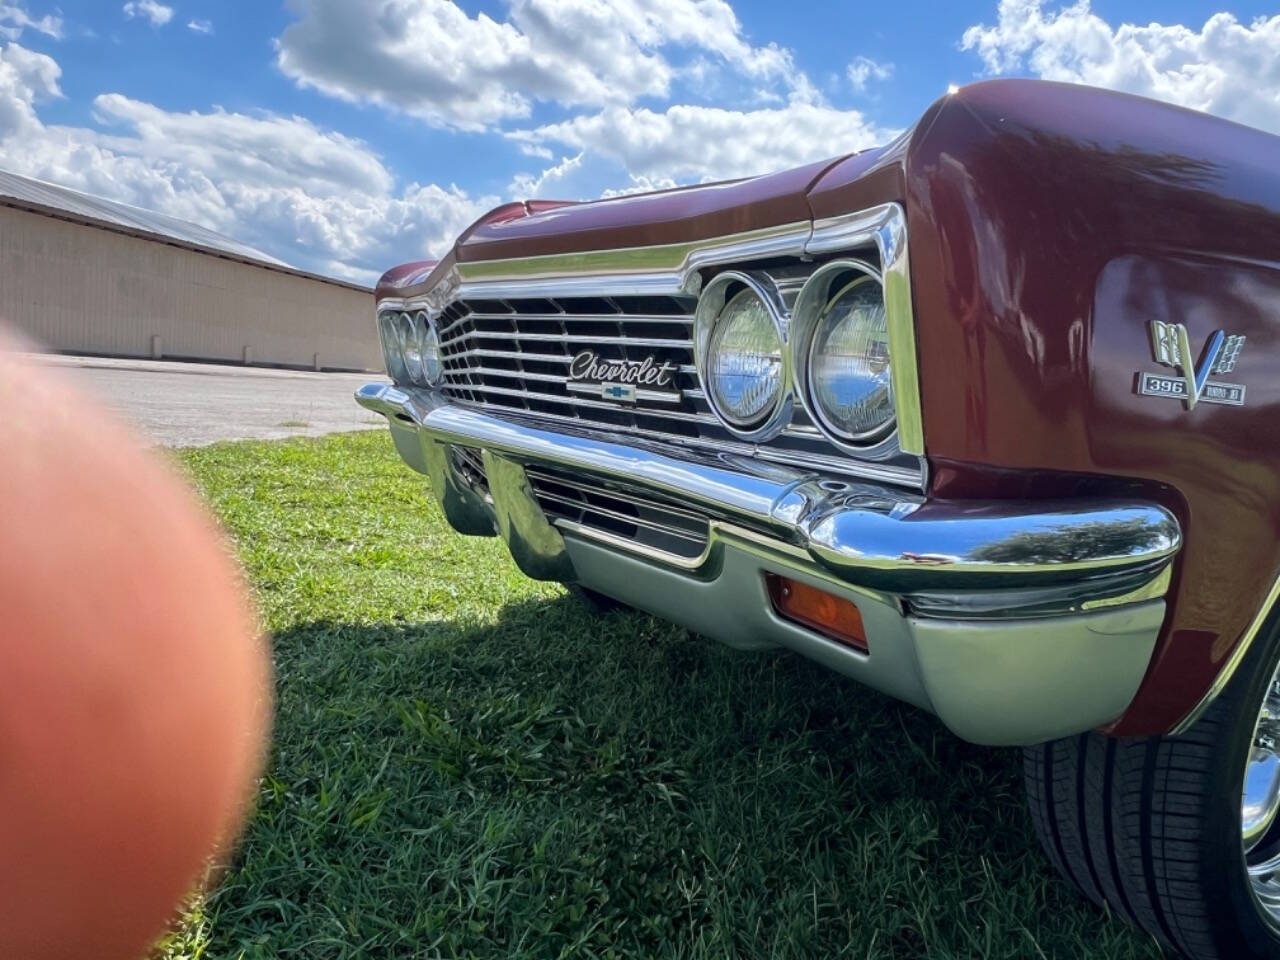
[410,341]
[392,355]
[812,308]
[429,349]
[715,297]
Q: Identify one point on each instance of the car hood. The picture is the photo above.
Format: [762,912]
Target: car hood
[683,215]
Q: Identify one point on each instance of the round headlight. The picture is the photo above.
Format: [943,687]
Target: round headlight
[389,333]
[744,361]
[411,347]
[432,365]
[849,376]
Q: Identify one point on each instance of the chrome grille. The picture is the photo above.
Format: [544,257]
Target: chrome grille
[515,354]
[639,516]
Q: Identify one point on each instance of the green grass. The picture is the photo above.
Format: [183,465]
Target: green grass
[470,764]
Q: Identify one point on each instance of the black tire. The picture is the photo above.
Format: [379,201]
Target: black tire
[1150,828]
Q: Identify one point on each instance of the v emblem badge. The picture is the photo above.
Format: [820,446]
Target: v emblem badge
[1171,345]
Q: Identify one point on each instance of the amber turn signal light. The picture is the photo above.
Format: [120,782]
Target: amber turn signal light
[830,615]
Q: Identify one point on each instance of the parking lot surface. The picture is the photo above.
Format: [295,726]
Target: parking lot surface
[195,404]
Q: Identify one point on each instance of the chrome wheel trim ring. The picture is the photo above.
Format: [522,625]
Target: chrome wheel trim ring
[1260,806]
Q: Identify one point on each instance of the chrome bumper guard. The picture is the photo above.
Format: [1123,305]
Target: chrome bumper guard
[1013,622]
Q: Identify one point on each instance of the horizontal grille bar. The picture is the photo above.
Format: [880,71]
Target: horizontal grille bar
[584,507]
[688,368]
[583,338]
[638,499]
[658,396]
[640,516]
[685,318]
[574,401]
[494,372]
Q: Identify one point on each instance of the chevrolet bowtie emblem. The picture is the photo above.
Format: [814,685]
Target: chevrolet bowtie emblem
[1171,345]
[618,391]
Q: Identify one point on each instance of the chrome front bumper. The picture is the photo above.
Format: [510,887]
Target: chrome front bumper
[1013,622]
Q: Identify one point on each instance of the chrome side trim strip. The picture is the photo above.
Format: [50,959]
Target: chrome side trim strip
[647,264]
[1228,671]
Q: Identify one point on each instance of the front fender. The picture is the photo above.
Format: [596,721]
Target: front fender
[1049,226]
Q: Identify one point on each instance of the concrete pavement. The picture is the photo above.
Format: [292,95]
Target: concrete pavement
[195,404]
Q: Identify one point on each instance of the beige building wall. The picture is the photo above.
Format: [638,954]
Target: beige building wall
[81,289]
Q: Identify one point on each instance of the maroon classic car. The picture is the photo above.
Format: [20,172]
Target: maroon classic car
[987,419]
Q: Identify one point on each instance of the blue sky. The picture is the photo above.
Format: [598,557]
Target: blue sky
[346,135]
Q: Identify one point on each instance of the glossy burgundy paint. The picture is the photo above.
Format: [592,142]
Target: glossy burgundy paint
[405,276]
[1049,225]
[671,216]
[414,279]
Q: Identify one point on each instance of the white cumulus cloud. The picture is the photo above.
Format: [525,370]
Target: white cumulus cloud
[309,196]
[694,143]
[431,59]
[14,19]
[26,78]
[549,182]
[1227,68]
[157,13]
[200,26]
[863,70]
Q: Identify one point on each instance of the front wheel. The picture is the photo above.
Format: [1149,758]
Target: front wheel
[1178,835]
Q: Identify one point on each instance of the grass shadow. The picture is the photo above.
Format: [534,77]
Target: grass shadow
[557,783]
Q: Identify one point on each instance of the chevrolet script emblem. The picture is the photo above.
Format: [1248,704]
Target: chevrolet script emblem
[621,380]
[1171,345]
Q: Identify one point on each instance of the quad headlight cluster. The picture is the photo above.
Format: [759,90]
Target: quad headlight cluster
[411,347]
[833,357]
